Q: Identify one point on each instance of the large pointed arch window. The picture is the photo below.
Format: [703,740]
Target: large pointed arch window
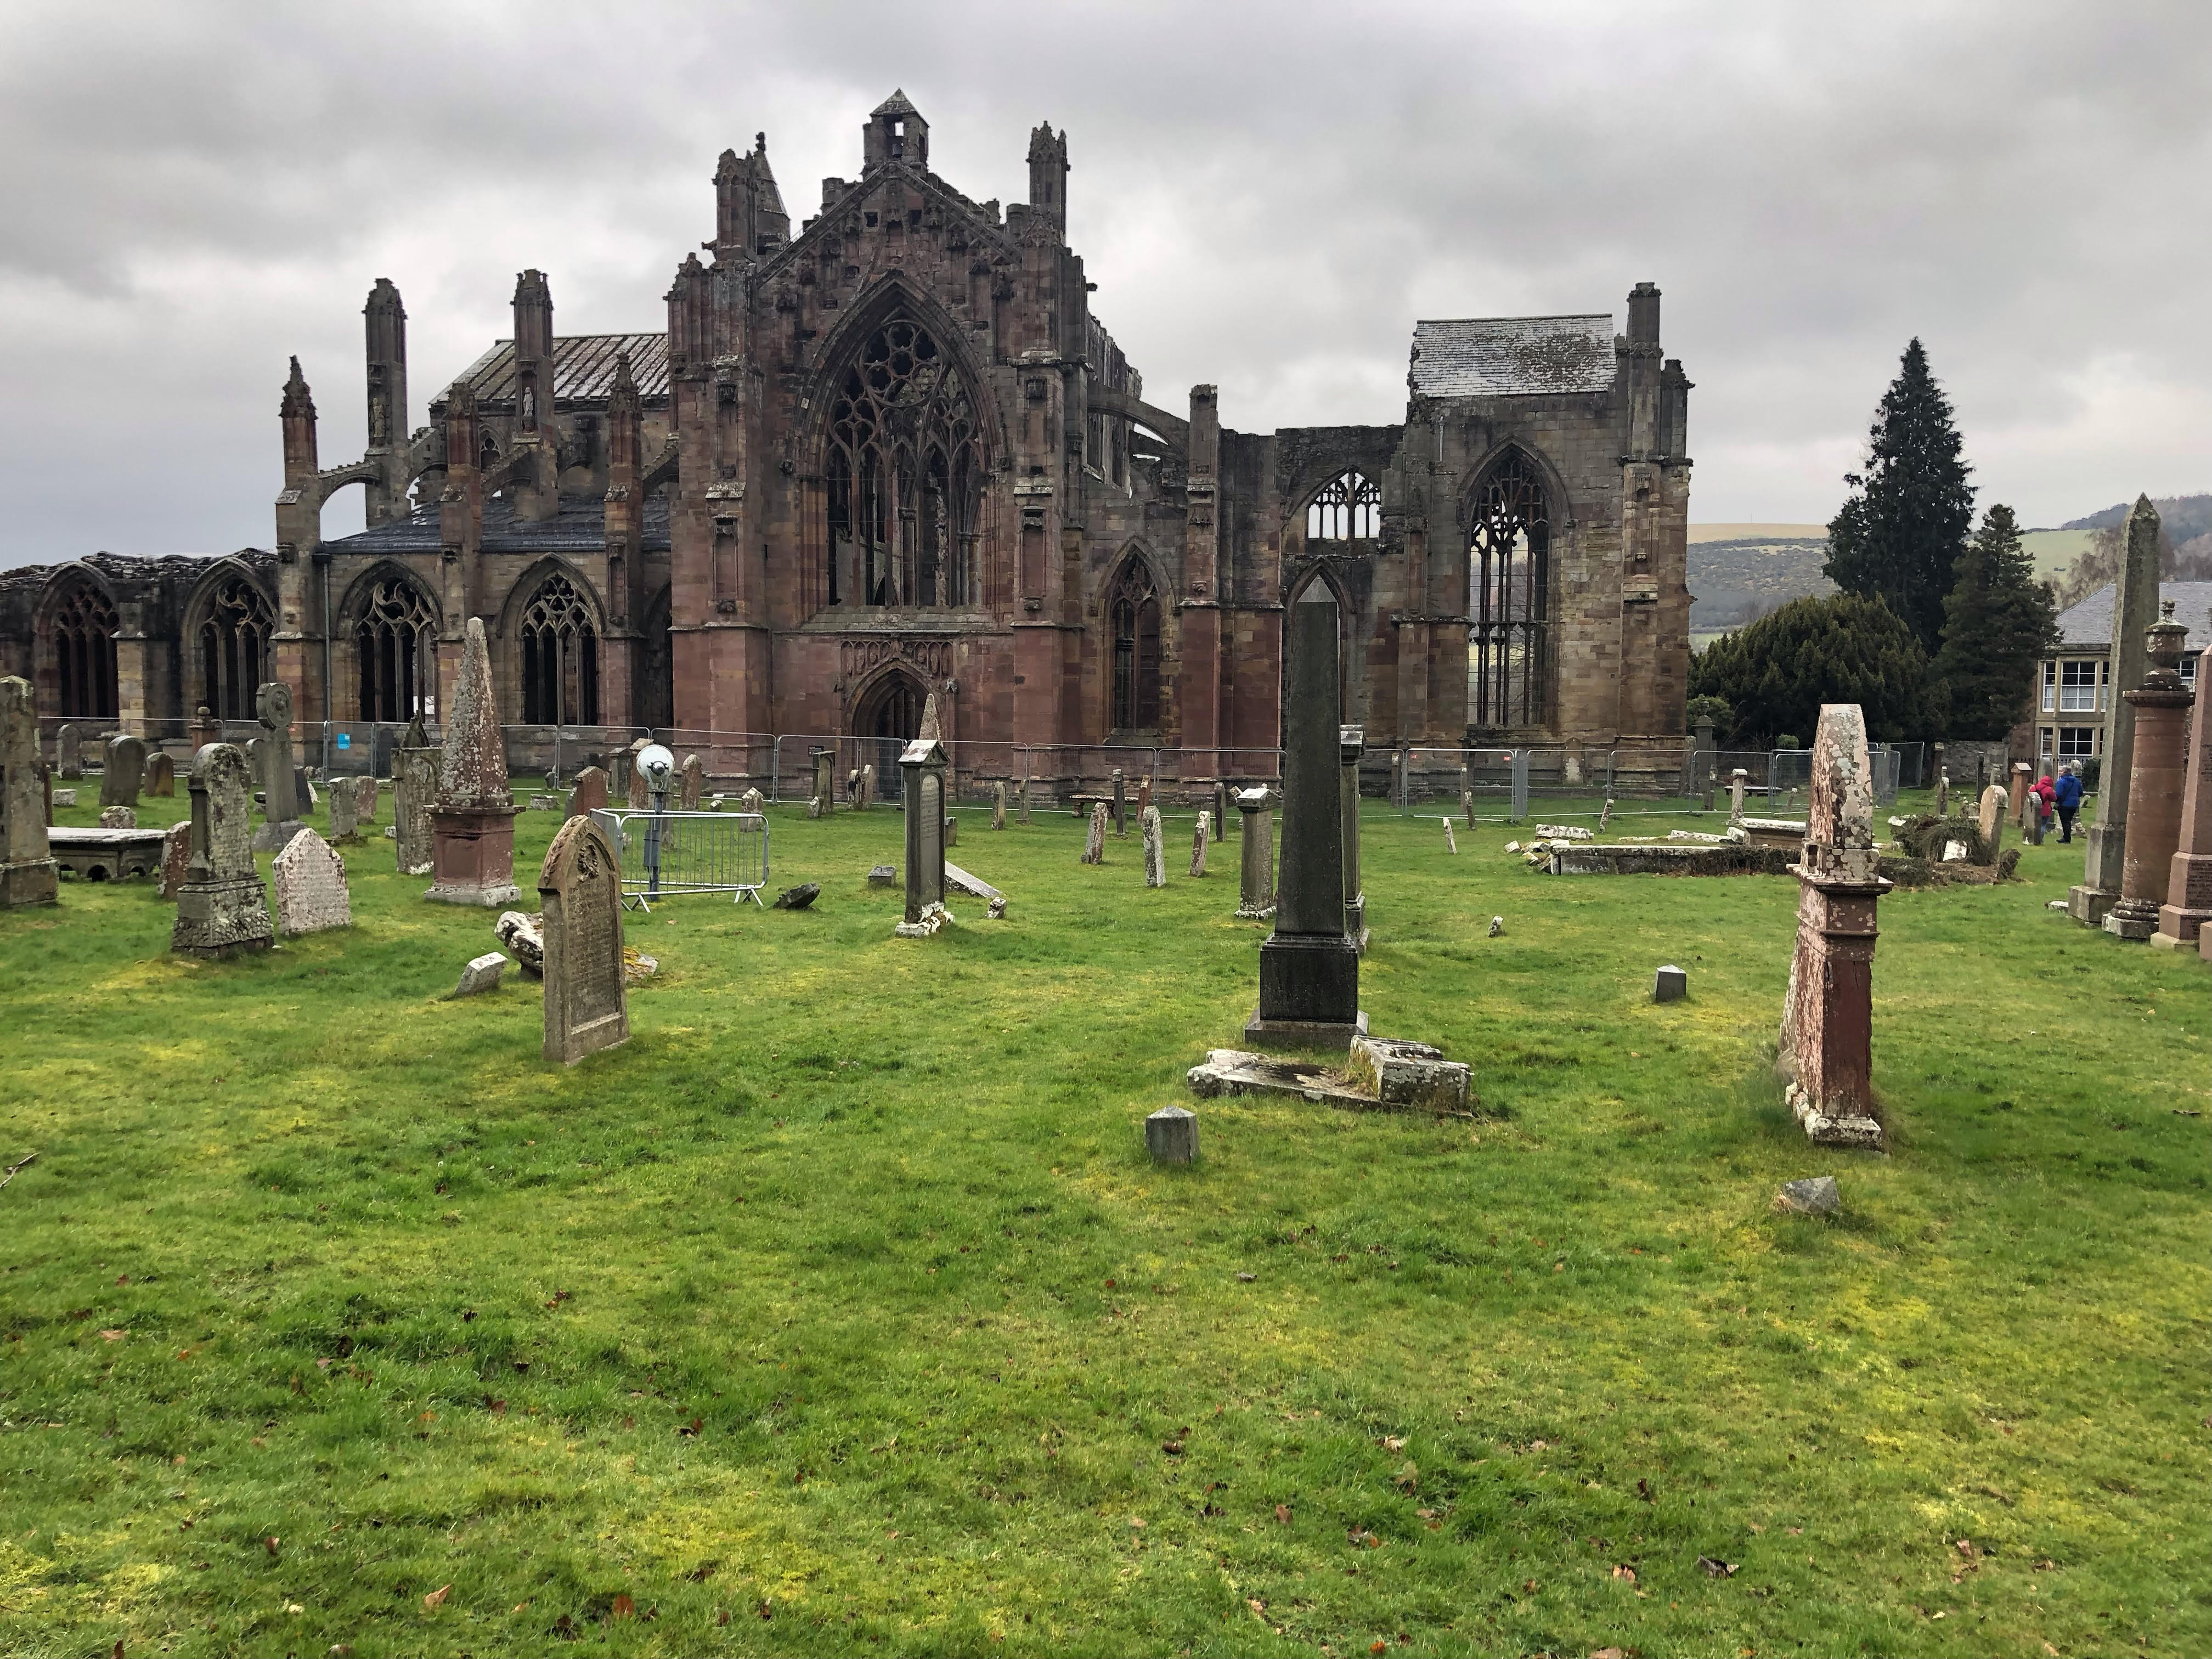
[1509,599]
[1348,508]
[1133,611]
[902,475]
[395,649]
[233,648]
[559,658]
[84,628]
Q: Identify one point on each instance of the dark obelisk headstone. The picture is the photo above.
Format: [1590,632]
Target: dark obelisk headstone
[2135,608]
[1308,969]
[923,762]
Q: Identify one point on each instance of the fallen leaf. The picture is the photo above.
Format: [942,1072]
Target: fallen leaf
[270,1544]
[436,1598]
[1407,1477]
[1282,1510]
[1246,1278]
[520,1607]
[722,1616]
[691,1429]
[1379,1645]
[1529,1587]
[1393,1442]
[114,1336]
[1625,1573]
[1609,1653]
[623,1607]
[1256,1604]
[1717,1569]
[1172,1448]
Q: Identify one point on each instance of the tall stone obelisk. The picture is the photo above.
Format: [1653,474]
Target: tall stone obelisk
[2135,607]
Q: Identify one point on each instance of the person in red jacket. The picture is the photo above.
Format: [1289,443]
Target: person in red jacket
[2045,793]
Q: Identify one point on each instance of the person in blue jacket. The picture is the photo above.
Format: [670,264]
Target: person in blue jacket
[2068,800]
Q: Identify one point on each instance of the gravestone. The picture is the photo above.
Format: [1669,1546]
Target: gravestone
[1094,844]
[1737,780]
[119,817]
[1604,816]
[752,801]
[1815,1195]
[68,763]
[923,765]
[1144,797]
[1827,1051]
[1993,816]
[1669,984]
[1255,884]
[617,771]
[2157,784]
[998,804]
[124,772]
[1451,842]
[1466,795]
[826,777]
[695,780]
[817,807]
[29,874]
[303,792]
[176,859]
[2017,796]
[1197,843]
[1156,857]
[222,906]
[1171,1134]
[481,974]
[160,773]
[279,776]
[799,898]
[1351,744]
[587,793]
[472,818]
[641,789]
[57,797]
[345,818]
[579,887]
[1309,969]
[951,830]
[1120,803]
[311,886]
[1942,794]
[853,788]
[2188,904]
[1220,808]
[2135,608]
[364,799]
[867,788]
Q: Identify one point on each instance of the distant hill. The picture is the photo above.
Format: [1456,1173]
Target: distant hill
[1739,579]
[2184,517]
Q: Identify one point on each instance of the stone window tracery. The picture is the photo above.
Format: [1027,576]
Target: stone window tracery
[560,657]
[1348,508]
[395,649]
[234,648]
[903,475]
[1134,610]
[84,627]
[1509,599]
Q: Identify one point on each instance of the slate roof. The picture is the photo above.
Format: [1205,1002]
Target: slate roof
[583,367]
[579,527]
[1512,357]
[2088,625]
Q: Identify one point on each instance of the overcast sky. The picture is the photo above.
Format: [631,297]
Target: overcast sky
[1266,195]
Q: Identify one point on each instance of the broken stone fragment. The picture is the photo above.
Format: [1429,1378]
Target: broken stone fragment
[525,935]
[1399,1073]
[799,898]
[480,975]
[1817,1195]
[883,876]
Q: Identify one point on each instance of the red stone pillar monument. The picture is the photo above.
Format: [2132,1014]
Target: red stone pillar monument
[1826,1050]
[473,819]
[2155,783]
[2188,904]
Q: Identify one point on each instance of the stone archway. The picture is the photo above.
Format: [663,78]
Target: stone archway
[886,717]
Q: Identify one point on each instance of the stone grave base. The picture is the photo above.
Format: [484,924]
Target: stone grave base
[1851,1129]
[216,918]
[933,917]
[1391,1077]
[2090,905]
[1306,1033]
[472,851]
[2130,921]
[1256,913]
[32,881]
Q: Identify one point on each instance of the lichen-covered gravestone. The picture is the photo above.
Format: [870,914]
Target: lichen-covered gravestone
[1255,885]
[472,820]
[311,895]
[1094,844]
[414,786]
[641,787]
[1156,857]
[176,860]
[998,804]
[1992,816]
[160,773]
[119,817]
[125,771]
[364,800]
[222,906]
[586,1006]
[1197,843]
[345,824]
[279,778]
[694,782]
[67,762]
[29,874]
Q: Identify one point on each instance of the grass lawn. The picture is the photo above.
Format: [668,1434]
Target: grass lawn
[841,1311]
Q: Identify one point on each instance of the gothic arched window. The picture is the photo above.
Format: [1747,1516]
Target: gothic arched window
[234,648]
[1509,599]
[394,644]
[1133,611]
[84,652]
[1349,509]
[903,474]
[559,658]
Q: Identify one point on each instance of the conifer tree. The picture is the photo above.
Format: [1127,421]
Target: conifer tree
[1900,533]
[1777,672]
[1999,623]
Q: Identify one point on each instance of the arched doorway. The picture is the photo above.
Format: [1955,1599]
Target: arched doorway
[888,717]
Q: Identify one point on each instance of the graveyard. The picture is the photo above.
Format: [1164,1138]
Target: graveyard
[839,1308]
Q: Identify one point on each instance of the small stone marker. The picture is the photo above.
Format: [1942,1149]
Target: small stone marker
[480,975]
[160,773]
[1093,847]
[951,830]
[1256,883]
[586,1005]
[345,826]
[125,771]
[1671,985]
[1171,1135]
[1400,1073]
[525,935]
[222,905]
[641,786]
[1818,1195]
[1197,843]
[1451,841]
[751,801]
[998,908]
[695,780]
[998,804]
[883,876]
[817,807]
[176,858]
[64,797]
[117,817]
[1156,857]
[311,886]
[799,898]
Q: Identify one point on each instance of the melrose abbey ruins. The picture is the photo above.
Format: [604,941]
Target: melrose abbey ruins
[897,454]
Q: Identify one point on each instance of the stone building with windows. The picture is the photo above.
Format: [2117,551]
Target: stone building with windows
[2073,685]
[895,452]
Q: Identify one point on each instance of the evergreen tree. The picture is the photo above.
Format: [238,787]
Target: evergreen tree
[2000,621]
[1777,672]
[1900,533]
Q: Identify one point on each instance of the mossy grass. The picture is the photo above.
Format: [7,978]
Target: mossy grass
[841,1310]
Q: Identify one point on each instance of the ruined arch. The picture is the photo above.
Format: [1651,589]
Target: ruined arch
[1134,603]
[554,623]
[76,631]
[391,619]
[228,628]
[1510,508]
[1347,506]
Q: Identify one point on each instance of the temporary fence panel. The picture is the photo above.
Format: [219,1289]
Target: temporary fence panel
[664,853]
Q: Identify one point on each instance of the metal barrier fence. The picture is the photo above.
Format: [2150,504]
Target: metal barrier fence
[664,853]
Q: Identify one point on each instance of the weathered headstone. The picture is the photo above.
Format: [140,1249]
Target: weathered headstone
[57,797]
[922,765]
[480,975]
[1197,841]
[752,801]
[1451,841]
[1826,1042]
[473,819]
[641,788]
[1094,844]
[1144,795]
[998,804]
[1815,1195]
[695,780]
[1121,803]
[1604,816]
[1942,794]
[1351,744]
[1993,816]
[176,859]
[119,817]
[1171,1134]
[1669,984]
[124,772]
[160,773]
[1309,969]
[1255,884]
[587,793]
[279,775]
[817,807]
[345,821]
[29,874]
[1466,795]
[798,898]
[311,886]
[222,905]
[2017,794]
[826,777]
[1156,857]
[2188,904]
[1737,780]
[951,830]
[2135,608]
[579,884]
[2156,785]
[67,762]
[525,935]
[1220,808]
[867,788]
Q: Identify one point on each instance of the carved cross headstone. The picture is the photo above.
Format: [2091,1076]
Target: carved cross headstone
[222,905]
[580,890]
[29,874]
[310,886]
